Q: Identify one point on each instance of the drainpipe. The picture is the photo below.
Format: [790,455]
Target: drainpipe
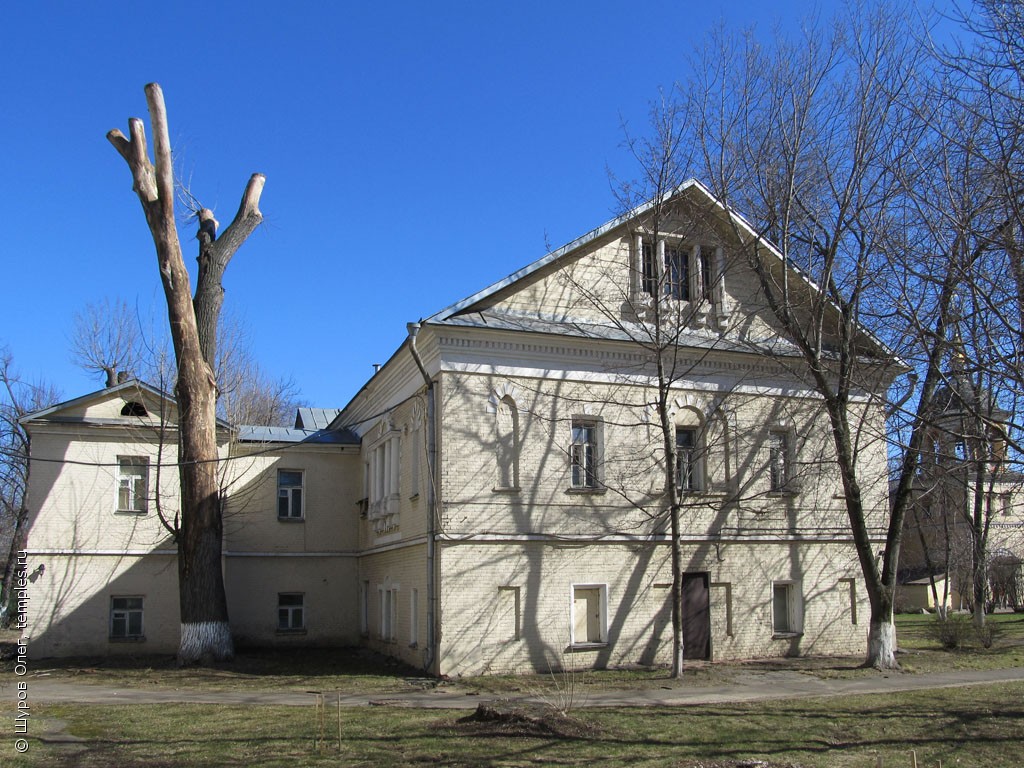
[431,650]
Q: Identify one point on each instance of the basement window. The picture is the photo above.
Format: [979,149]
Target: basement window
[291,614]
[126,618]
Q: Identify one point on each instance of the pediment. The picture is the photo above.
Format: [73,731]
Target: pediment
[129,403]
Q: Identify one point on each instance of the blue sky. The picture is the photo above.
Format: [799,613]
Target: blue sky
[414,153]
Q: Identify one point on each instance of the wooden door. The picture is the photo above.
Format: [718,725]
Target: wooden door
[696,616]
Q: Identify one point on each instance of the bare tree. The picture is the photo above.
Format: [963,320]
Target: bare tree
[246,393]
[17,398]
[854,162]
[986,82]
[112,340]
[804,137]
[106,340]
[205,630]
[962,242]
[670,305]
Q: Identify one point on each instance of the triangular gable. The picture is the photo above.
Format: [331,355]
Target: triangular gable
[123,401]
[550,262]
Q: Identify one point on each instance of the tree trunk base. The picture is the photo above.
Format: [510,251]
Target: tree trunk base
[205,642]
[882,646]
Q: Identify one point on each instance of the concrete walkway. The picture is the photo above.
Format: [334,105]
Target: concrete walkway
[751,686]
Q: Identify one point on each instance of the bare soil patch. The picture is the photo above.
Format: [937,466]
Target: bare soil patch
[504,718]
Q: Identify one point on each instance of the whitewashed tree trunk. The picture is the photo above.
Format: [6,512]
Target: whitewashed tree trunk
[882,645]
[205,641]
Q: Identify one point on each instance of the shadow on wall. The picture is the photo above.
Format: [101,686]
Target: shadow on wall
[99,605]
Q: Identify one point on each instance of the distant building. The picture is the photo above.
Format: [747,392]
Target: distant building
[965,476]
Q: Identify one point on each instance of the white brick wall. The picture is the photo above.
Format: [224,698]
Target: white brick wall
[478,633]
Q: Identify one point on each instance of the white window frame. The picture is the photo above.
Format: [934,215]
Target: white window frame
[296,510]
[676,258]
[794,607]
[780,460]
[123,614]
[294,614]
[128,480]
[704,262]
[385,466]
[694,461]
[649,272]
[585,455]
[602,638]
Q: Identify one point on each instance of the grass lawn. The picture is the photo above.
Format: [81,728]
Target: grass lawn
[355,671]
[922,652]
[974,726]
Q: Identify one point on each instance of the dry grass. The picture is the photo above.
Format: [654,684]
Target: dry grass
[357,671]
[976,726]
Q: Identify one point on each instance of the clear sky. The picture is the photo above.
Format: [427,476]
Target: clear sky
[415,152]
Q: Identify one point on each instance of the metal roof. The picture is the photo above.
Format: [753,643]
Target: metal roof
[512,321]
[257,434]
[315,418]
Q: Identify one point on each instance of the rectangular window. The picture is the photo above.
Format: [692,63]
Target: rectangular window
[1005,504]
[687,460]
[649,268]
[126,618]
[583,454]
[677,273]
[132,484]
[589,603]
[385,469]
[785,608]
[289,494]
[779,460]
[706,277]
[290,611]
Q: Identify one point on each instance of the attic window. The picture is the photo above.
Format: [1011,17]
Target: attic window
[134,409]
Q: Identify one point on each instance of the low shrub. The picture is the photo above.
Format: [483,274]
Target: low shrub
[952,631]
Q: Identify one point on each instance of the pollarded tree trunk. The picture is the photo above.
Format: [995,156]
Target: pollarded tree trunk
[205,630]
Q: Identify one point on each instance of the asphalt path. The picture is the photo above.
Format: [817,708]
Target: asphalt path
[752,686]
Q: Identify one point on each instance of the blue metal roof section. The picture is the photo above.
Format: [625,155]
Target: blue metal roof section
[257,434]
[315,418]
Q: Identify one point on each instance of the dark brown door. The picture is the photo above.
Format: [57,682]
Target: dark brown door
[696,616]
